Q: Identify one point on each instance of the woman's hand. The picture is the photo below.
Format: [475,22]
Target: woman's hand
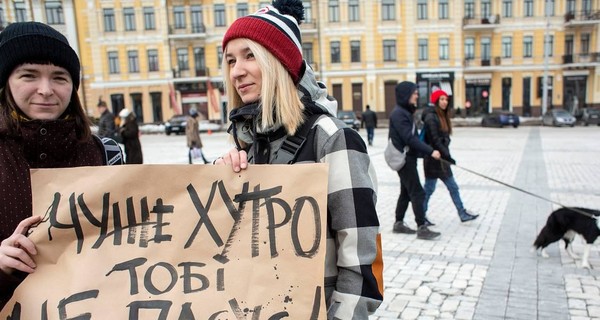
[237,159]
[16,250]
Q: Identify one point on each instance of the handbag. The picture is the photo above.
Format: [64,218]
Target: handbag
[394,157]
[196,152]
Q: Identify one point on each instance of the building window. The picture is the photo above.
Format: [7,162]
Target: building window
[507,10]
[129,19]
[571,6]
[388,10]
[486,8]
[54,12]
[20,12]
[334,11]
[134,61]
[423,50]
[353,12]
[443,9]
[220,20]
[422,9]
[197,20]
[183,61]
[242,10]
[335,51]
[444,49]
[179,17]
[307,11]
[156,100]
[528,6]
[307,52]
[586,7]
[109,20]
[152,60]
[470,48]
[389,50]
[549,46]
[486,50]
[506,47]
[569,44]
[199,59]
[2,18]
[469,9]
[113,62]
[149,23]
[549,8]
[355,51]
[585,43]
[527,47]
[219,55]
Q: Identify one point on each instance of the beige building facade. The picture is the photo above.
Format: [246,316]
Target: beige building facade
[162,57]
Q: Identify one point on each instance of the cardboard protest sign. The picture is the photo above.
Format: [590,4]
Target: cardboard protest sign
[177,242]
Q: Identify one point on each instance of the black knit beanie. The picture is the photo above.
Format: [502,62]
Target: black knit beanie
[35,42]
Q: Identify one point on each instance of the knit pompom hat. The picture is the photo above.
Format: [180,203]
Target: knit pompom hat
[35,42]
[435,96]
[277,29]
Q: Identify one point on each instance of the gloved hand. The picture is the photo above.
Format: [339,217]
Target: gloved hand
[451,160]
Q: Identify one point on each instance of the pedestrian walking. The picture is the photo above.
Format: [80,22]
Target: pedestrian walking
[369,121]
[438,128]
[42,125]
[404,133]
[130,137]
[106,124]
[263,71]
[192,132]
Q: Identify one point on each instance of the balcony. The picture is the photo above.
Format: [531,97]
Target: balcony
[581,59]
[193,31]
[477,63]
[582,18]
[480,22]
[309,27]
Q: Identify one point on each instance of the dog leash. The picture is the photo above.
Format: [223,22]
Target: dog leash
[519,189]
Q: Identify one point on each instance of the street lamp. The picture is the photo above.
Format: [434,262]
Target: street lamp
[546,53]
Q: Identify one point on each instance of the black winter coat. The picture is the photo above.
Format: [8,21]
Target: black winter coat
[438,140]
[131,139]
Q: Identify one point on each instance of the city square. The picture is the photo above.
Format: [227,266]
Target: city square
[482,269]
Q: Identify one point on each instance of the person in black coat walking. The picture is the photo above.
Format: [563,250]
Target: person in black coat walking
[130,135]
[404,133]
[369,120]
[438,128]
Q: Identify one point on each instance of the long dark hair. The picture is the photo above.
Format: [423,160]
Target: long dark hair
[8,108]
[444,115]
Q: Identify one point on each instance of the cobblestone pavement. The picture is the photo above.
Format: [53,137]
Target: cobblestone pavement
[482,269]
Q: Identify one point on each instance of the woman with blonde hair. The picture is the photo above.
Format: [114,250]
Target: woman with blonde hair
[273,95]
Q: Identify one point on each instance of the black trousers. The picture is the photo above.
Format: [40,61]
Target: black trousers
[411,191]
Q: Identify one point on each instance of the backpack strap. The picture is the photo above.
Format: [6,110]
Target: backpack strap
[288,152]
[112,152]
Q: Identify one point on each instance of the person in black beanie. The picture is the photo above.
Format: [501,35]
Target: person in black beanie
[404,133]
[42,125]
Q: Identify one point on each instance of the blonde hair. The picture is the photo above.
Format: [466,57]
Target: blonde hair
[279,99]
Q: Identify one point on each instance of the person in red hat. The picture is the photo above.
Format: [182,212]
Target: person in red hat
[438,128]
[270,89]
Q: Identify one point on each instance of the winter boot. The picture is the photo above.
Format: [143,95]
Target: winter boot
[466,216]
[424,233]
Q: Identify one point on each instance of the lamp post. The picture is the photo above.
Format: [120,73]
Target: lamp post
[546,53]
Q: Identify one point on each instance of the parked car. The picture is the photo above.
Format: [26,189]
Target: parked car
[500,119]
[558,117]
[350,119]
[176,125]
[590,116]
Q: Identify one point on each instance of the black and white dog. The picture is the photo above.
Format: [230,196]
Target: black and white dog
[565,223]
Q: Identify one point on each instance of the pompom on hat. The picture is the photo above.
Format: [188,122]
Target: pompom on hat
[35,42]
[277,29]
[435,96]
